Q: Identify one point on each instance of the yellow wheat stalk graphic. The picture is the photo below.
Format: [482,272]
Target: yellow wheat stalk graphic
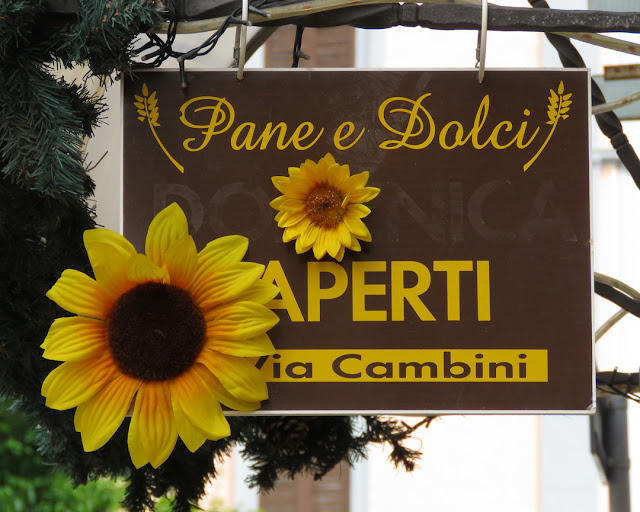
[557,109]
[148,110]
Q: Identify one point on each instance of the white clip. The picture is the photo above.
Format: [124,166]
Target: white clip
[240,49]
[481,49]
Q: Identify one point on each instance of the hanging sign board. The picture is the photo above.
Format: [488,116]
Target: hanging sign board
[474,293]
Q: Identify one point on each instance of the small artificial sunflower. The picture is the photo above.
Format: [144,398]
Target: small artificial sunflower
[168,332]
[321,207]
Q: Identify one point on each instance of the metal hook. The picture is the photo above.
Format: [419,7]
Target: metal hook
[240,50]
[481,49]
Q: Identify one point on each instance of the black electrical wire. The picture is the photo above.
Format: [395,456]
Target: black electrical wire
[615,382]
[618,298]
[164,49]
[618,383]
[297,46]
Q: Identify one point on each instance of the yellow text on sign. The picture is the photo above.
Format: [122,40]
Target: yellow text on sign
[400,294]
[399,365]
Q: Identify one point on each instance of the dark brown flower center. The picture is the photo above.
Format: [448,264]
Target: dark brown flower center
[155,331]
[324,207]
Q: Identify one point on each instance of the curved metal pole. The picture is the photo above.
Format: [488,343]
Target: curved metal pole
[616,444]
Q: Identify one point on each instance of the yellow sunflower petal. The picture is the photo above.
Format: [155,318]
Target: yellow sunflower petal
[288,187]
[280,182]
[287,204]
[53,375]
[59,324]
[78,293]
[239,321]
[309,166]
[98,418]
[278,201]
[344,235]
[339,174]
[166,228]
[332,242]
[79,338]
[291,218]
[293,171]
[295,231]
[357,227]
[191,436]
[362,195]
[76,420]
[109,265]
[236,374]
[76,382]
[218,254]
[106,236]
[310,235]
[320,245]
[340,254]
[196,397]
[300,188]
[257,346]
[140,269]
[230,401]
[108,253]
[260,292]
[301,248]
[328,158]
[134,442]
[358,211]
[304,183]
[154,415]
[366,237]
[227,284]
[333,170]
[355,244]
[288,235]
[322,171]
[306,178]
[181,261]
[354,182]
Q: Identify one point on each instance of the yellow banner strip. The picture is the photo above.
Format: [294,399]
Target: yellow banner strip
[442,365]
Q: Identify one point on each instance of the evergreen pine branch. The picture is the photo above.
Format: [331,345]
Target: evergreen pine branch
[43,209]
[137,495]
[17,17]
[42,132]
[280,447]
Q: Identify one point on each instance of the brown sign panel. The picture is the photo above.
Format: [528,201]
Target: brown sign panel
[475,292]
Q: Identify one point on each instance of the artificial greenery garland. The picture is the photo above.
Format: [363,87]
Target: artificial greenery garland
[44,188]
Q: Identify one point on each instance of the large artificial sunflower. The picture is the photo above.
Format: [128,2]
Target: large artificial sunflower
[321,207]
[167,332]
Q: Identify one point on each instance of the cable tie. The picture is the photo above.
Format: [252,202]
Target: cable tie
[259,12]
[238,21]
